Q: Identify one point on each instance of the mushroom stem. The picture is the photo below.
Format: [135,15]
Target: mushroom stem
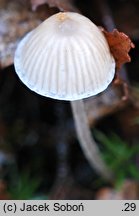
[88,144]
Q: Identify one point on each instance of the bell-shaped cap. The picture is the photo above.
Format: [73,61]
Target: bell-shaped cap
[66,57]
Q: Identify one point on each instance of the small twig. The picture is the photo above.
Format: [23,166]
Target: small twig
[109,23]
[120,82]
[87,142]
[64,180]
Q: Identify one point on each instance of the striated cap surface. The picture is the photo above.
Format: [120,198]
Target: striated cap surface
[66,57]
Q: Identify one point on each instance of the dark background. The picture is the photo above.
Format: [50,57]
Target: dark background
[40,157]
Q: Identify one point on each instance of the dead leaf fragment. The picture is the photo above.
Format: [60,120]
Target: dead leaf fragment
[36,3]
[62,5]
[120,45]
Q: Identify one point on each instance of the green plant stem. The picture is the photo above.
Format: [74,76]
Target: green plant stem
[87,142]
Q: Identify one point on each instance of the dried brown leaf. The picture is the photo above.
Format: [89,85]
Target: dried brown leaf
[120,45]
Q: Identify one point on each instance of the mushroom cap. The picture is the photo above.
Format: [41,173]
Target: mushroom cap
[66,57]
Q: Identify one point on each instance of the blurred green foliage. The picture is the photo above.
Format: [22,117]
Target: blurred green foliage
[119,156]
[24,188]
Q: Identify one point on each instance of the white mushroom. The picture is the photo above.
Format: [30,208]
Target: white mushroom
[67,57]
